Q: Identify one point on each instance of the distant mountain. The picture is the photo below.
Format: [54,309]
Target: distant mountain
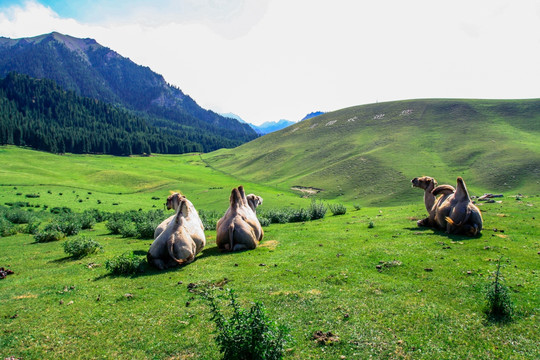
[271,126]
[312,114]
[95,71]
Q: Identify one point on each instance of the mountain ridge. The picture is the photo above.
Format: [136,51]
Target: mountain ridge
[95,71]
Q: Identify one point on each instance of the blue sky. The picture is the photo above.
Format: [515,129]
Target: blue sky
[267,60]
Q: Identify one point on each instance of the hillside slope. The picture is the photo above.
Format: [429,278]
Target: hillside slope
[92,70]
[368,154]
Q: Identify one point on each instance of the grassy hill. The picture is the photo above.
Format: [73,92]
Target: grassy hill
[386,288]
[368,154]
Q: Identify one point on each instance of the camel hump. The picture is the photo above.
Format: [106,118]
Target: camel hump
[443,189]
[243,195]
[236,198]
[461,192]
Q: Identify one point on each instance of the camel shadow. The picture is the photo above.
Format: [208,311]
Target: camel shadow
[433,231]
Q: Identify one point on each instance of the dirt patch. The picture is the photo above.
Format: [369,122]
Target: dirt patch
[306,189]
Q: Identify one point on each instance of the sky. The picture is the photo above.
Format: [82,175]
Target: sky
[267,60]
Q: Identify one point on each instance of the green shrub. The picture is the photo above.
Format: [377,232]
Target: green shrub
[299,215]
[247,334]
[32,196]
[145,229]
[18,216]
[60,210]
[338,209]
[81,246]
[48,236]
[6,227]
[264,220]
[357,207]
[125,264]
[499,305]
[68,224]
[277,216]
[32,227]
[209,219]
[317,210]
[371,225]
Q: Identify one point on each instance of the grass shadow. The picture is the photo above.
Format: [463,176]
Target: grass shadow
[421,230]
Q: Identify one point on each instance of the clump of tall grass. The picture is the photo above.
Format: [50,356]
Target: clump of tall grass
[499,304]
[125,264]
[246,333]
[81,246]
[338,209]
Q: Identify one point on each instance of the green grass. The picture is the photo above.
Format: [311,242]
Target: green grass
[121,183]
[367,285]
[311,276]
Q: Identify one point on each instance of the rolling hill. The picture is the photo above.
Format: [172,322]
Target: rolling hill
[368,154]
[94,71]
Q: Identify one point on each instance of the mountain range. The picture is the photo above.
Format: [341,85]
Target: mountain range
[94,71]
[271,126]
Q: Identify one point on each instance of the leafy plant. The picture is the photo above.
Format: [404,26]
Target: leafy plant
[499,305]
[338,209]
[246,334]
[6,227]
[317,209]
[17,215]
[125,264]
[48,235]
[81,246]
[371,225]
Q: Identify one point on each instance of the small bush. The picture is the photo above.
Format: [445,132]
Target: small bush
[247,334]
[125,264]
[31,228]
[277,216]
[300,215]
[81,246]
[7,228]
[48,236]
[86,220]
[317,210]
[18,216]
[70,225]
[209,219]
[357,207]
[264,221]
[371,225]
[32,196]
[499,305]
[338,209]
[60,210]
[145,229]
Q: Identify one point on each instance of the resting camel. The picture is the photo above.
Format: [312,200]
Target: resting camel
[173,201]
[428,184]
[456,213]
[181,240]
[239,229]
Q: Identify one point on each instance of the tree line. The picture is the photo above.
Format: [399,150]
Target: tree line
[39,114]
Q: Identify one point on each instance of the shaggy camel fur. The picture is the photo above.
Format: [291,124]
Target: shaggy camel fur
[239,229]
[173,201]
[428,184]
[456,213]
[181,240]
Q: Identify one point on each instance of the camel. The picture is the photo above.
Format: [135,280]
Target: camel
[181,240]
[239,229]
[173,201]
[428,184]
[456,213]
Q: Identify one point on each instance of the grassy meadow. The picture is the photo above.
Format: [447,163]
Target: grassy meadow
[386,288]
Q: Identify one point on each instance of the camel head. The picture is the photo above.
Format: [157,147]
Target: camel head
[174,200]
[254,201]
[424,182]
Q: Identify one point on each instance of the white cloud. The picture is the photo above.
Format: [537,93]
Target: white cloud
[273,59]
